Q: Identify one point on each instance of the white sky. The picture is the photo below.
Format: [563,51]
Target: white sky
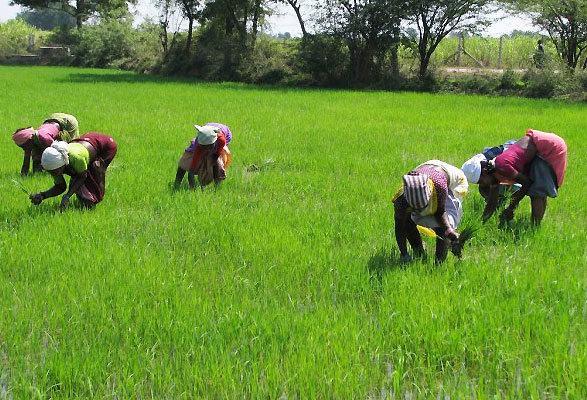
[285,20]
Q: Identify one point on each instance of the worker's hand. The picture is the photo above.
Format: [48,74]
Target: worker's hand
[36,198]
[64,202]
[456,248]
[507,214]
[452,235]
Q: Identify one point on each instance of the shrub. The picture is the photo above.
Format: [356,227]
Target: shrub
[269,62]
[508,80]
[14,37]
[554,81]
[108,44]
[323,59]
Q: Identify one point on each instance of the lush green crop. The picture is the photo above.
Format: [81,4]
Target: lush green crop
[284,281]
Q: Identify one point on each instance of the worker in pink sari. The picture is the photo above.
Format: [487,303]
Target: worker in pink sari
[58,126]
[537,161]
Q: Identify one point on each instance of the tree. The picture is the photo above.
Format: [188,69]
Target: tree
[191,9]
[231,21]
[435,19]
[370,28]
[296,5]
[564,20]
[47,19]
[81,10]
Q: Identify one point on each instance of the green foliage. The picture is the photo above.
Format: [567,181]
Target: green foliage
[81,11]
[324,60]
[270,62]
[509,80]
[14,37]
[565,22]
[47,19]
[284,281]
[116,44]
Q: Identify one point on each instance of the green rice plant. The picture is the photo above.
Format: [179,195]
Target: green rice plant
[284,281]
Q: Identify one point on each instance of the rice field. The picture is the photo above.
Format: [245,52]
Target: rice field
[283,282]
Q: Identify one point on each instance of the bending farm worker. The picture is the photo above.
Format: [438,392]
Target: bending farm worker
[58,126]
[85,160]
[472,170]
[208,156]
[431,196]
[537,161]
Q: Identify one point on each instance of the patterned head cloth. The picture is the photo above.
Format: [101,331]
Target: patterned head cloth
[55,156]
[417,190]
[22,135]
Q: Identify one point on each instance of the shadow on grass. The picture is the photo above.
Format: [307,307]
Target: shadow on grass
[10,219]
[185,188]
[124,77]
[518,229]
[131,77]
[384,261]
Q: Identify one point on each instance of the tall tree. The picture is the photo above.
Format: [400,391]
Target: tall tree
[81,10]
[564,20]
[47,19]
[370,28]
[435,19]
[296,5]
[190,9]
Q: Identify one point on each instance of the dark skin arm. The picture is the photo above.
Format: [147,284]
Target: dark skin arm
[405,230]
[191,180]
[75,184]
[26,162]
[526,182]
[59,187]
[442,219]
[400,235]
[492,202]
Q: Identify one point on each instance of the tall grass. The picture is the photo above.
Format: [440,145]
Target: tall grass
[517,51]
[284,282]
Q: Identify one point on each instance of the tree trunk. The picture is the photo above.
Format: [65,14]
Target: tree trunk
[256,15]
[163,35]
[79,17]
[424,61]
[365,63]
[296,8]
[188,43]
[353,60]
[394,60]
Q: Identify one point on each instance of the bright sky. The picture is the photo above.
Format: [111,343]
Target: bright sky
[286,21]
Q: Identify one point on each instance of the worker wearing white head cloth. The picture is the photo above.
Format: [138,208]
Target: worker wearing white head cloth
[55,156]
[208,155]
[85,160]
[474,166]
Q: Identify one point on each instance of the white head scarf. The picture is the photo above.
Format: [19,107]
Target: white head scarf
[207,134]
[55,156]
[472,168]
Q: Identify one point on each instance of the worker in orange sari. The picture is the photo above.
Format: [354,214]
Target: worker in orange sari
[208,156]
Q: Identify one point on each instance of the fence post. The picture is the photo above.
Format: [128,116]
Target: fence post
[31,45]
[500,52]
[460,49]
